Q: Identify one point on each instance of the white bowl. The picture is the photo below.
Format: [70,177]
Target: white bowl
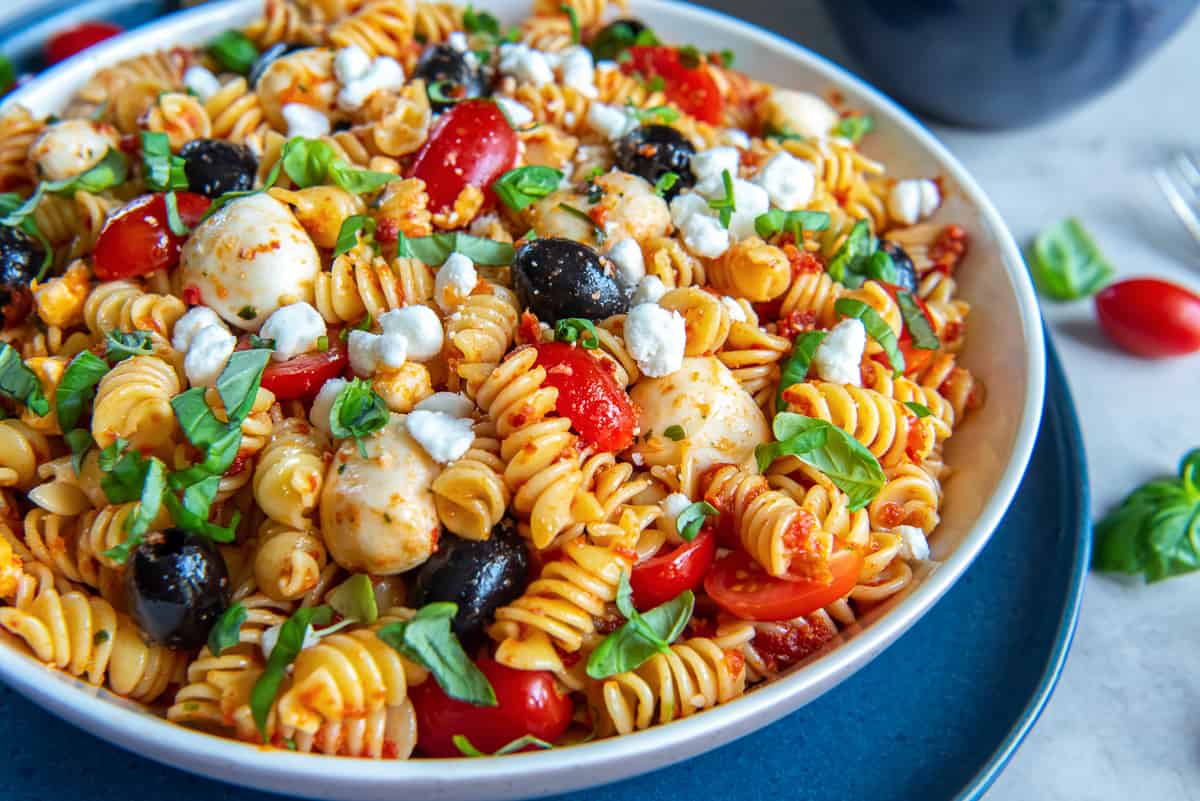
[989,454]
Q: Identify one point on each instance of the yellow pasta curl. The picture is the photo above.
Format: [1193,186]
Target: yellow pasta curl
[290,472]
[235,111]
[359,283]
[379,28]
[18,131]
[481,332]
[133,402]
[751,269]
[288,561]
[470,494]
[123,306]
[22,449]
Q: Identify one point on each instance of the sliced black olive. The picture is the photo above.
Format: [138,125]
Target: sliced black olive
[556,278]
[178,586]
[906,274]
[615,38]
[214,167]
[478,576]
[20,259]
[451,75]
[652,151]
[270,56]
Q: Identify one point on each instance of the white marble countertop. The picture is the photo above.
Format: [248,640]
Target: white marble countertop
[1123,721]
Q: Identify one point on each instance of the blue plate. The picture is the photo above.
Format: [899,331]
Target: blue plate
[935,717]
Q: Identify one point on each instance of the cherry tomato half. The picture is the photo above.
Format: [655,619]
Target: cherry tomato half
[1149,317]
[739,586]
[588,395]
[660,579]
[692,89]
[472,144]
[137,240]
[529,703]
[65,44]
[301,377]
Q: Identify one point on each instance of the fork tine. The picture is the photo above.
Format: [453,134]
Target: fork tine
[1174,193]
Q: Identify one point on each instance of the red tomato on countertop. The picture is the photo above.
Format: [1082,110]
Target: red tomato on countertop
[661,578]
[1149,317]
[588,395]
[528,703]
[65,44]
[742,588]
[692,89]
[137,240]
[472,144]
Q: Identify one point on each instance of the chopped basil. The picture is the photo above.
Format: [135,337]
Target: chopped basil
[287,648]
[77,386]
[124,472]
[355,598]
[848,265]
[918,409]
[521,186]
[18,213]
[880,267]
[234,51]
[465,747]
[582,215]
[428,640]
[727,57]
[781,134]
[239,382]
[20,383]
[661,114]
[247,312]
[665,183]
[161,169]
[438,92]
[691,519]
[137,522]
[614,40]
[120,345]
[226,632]
[357,412]
[577,329]
[352,228]
[192,513]
[795,223]
[854,128]
[824,446]
[795,367]
[110,171]
[313,162]
[258,342]
[725,206]
[322,344]
[919,328]
[574,20]
[174,221]
[1066,264]
[435,249]
[690,56]
[79,440]
[674,433]
[642,636]
[877,328]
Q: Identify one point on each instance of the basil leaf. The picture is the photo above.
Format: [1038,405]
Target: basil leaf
[357,181]
[574,20]
[664,115]
[124,473]
[435,249]
[110,455]
[691,519]
[79,440]
[355,598]
[77,386]
[137,523]
[480,22]
[357,412]
[287,648]
[239,382]
[643,636]
[1156,528]
[18,212]
[110,171]
[192,514]
[725,206]
[226,632]
[665,183]
[880,267]
[218,441]
[617,38]
[348,234]
[465,747]
[795,367]
[577,329]
[119,345]
[174,221]
[162,170]
[674,433]
[878,329]
[918,409]
[624,599]
[428,640]
[1066,264]
[919,328]
[795,223]
[313,162]
[234,51]
[520,187]
[20,383]
[847,265]
[845,460]
[854,128]
[8,74]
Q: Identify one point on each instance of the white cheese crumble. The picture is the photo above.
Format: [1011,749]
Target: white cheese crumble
[913,199]
[649,290]
[710,163]
[420,327]
[187,326]
[454,404]
[518,113]
[295,329]
[674,504]
[456,278]
[656,339]
[749,200]
[304,121]
[350,64]
[443,436]
[361,347]
[705,236]
[201,82]
[913,545]
[458,41]
[787,180]
[736,312]
[322,405]
[626,254]
[610,121]
[800,113]
[838,358]
[270,638]
[526,64]
[578,70]
[207,355]
[685,206]
[384,75]
[736,137]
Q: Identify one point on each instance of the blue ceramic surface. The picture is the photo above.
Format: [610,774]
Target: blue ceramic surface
[1002,63]
[946,705]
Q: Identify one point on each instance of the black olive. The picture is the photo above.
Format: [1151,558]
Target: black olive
[652,151]
[270,56]
[214,167]
[615,38]
[557,278]
[478,576]
[906,274]
[459,74]
[20,259]
[178,586]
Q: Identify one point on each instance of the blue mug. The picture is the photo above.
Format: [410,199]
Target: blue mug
[1002,63]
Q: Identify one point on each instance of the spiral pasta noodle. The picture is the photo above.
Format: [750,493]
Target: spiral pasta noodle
[235,111]
[753,270]
[379,28]
[480,333]
[290,472]
[18,131]
[133,402]
[288,561]
[124,306]
[359,283]
[470,494]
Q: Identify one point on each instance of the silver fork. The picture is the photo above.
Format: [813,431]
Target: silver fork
[1180,182]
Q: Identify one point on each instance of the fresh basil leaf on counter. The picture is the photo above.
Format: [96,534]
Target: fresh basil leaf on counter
[1066,264]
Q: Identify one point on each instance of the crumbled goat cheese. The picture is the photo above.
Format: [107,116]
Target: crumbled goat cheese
[384,75]
[304,121]
[610,121]
[526,64]
[322,405]
[838,358]
[201,82]
[420,326]
[674,504]
[736,312]
[295,329]
[913,199]
[913,545]
[443,436]
[458,41]
[207,355]
[712,162]
[649,290]
[454,404]
[518,114]
[656,338]
[736,138]
[800,113]
[187,326]
[787,180]
[350,64]
[456,278]
[578,70]
[705,236]
[626,254]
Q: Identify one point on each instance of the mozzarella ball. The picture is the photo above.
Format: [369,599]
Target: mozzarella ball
[377,512]
[720,420]
[248,259]
[800,113]
[71,147]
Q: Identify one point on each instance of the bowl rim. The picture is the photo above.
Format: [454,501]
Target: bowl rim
[233,760]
